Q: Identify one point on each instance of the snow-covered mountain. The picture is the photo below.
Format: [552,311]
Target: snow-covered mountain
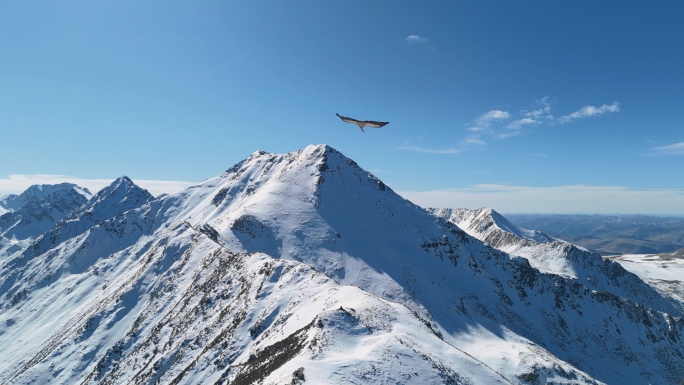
[488,223]
[303,267]
[556,256]
[35,211]
[38,193]
[663,271]
[117,198]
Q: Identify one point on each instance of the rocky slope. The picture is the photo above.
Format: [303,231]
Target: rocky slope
[117,198]
[556,256]
[37,193]
[35,211]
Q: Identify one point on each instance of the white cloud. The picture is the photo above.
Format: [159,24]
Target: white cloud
[588,111]
[17,183]
[542,110]
[474,141]
[517,124]
[494,115]
[430,151]
[507,134]
[492,123]
[672,149]
[415,39]
[485,121]
[558,199]
[158,187]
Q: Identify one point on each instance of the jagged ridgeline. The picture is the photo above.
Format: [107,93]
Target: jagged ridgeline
[304,268]
[38,209]
[555,256]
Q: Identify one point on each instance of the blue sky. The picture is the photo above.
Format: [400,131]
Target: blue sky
[536,106]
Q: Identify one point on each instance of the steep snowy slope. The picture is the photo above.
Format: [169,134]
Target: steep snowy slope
[227,282]
[544,252]
[557,256]
[663,271]
[183,309]
[36,210]
[117,198]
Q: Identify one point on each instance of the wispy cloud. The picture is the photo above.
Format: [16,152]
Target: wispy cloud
[498,124]
[415,39]
[494,115]
[430,150]
[672,149]
[474,141]
[485,121]
[507,134]
[483,126]
[17,183]
[554,199]
[518,124]
[588,111]
[494,124]
[540,112]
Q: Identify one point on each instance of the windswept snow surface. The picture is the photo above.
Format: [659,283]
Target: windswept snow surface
[304,267]
[185,309]
[663,271]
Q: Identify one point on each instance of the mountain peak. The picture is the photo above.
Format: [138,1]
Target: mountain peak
[38,208]
[319,149]
[39,192]
[486,219]
[123,182]
[123,179]
[120,196]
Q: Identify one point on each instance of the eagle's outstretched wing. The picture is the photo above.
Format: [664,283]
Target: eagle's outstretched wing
[348,120]
[362,123]
[374,124]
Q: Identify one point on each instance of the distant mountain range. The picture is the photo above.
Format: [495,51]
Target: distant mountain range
[35,211]
[305,268]
[663,272]
[610,234]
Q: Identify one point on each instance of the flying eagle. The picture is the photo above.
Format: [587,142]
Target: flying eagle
[362,123]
